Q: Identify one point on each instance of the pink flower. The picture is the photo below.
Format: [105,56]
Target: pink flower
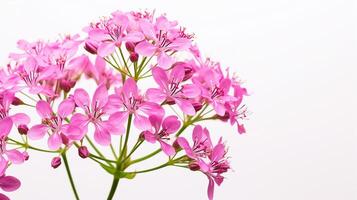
[129,99]
[202,144]
[109,34]
[172,90]
[102,74]
[13,155]
[206,158]
[214,86]
[54,124]
[161,130]
[163,37]
[93,113]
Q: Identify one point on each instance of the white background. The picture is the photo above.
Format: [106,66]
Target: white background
[298,59]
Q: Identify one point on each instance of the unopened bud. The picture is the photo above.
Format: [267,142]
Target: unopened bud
[66,85]
[23,129]
[90,47]
[16,101]
[65,139]
[130,46]
[83,152]
[134,57]
[56,162]
[197,106]
[194,166]
[26,155]
[176,146]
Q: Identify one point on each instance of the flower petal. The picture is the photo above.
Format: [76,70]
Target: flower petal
[191,91]
[171,124]
[20,118]
[37,132]
[54,141]
[44,109]
[141,122]
[160,77]
[155,95]
[145,48]
[102,136]
[9,183]
[65,108]
[149,136]
[164,61]
[15,156]
[185,106]
[100,97]
[167,149]
[81,98]
[5,126]
[105,49]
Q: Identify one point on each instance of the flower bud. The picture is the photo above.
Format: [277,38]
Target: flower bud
[65,139]
[224,118]
[176,146]
[56,162]
[134,57]
[130,46]
[90,47]
[67,85]
[197,106]
[26,155]
[16,101]
[83,152]
[23,129]
[194,166]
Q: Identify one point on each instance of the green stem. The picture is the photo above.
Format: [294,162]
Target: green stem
[27,146]
[70,175]
[97,150]
[113,188]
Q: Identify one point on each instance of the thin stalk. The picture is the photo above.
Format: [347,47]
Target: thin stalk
[70,175]
[97,150]
[113,188]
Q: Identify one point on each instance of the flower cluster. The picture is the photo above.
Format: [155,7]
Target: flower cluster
[117,55]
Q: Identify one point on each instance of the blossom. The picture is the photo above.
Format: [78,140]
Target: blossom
[172,90]
[93,113]
[129,99]
[54,123]
[110,33]
[161,130]
[163,37]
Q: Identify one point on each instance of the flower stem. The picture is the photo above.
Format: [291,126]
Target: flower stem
[113,188]
[70,175]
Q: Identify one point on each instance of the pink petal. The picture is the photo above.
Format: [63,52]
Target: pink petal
[134,37]
[118,120]
[191,91]
[20,118]
[65,108]
[160,77]
[180,44]
[81,98]
[100,97]
[130,88]
[155,95]
[177,74]
[171,124]
[197,134]
[186,146]
[3,197]
[5,126]
[164,61]
[145,48]
[15,156]
[148,29]
[186,106]
[210,189]
[106,48]
[9,183]
[141,122]
[149,136]
[44,109]
[218,152]
[74,133]
[37,132]
[99,35]
[102,136]
[219,108]
[54,141]
[3,165]
[155,122]
[167,149]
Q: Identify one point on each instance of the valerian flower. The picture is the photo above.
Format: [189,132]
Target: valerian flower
[54,124]
[161,131]
[173,90]
[93,113]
